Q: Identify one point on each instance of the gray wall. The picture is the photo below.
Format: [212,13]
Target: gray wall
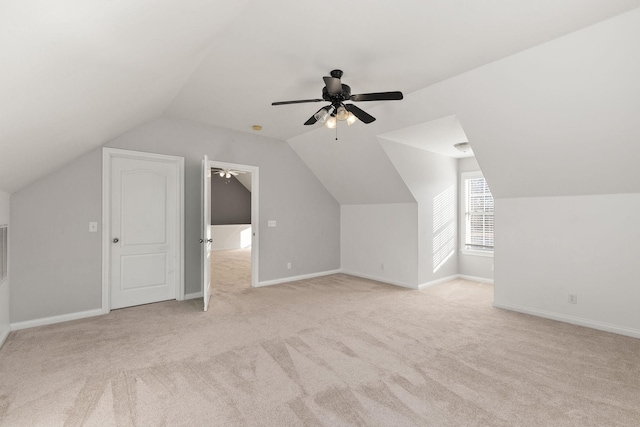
[4,285]
[230,201]
[380,242]
[550,247]
[431,178]
[56,262]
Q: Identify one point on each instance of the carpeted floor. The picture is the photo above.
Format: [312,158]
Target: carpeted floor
[230,271]
[332,351]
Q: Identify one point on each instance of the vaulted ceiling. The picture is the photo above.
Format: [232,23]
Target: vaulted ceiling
[76,74]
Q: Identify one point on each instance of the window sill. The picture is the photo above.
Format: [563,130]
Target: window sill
[488,254]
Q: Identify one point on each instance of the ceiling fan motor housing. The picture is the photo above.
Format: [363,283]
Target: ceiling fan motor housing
[337,98]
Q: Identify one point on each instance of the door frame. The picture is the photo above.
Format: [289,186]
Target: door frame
[107,155]
[255,217]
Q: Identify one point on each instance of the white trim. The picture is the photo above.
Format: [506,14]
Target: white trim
[437,281]
[296,278]
[255,213]
[476,279]
[472,252]
[601,326]
[379,279]
[106,229]
[4,336]
[107,155]
[55,319]
[193,295]
[421,286]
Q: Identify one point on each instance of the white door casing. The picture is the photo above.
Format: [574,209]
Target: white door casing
[205,241]
[143,214]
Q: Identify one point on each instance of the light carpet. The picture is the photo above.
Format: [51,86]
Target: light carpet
[330,351]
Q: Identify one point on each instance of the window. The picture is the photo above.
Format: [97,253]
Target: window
[3,252]
[478,215]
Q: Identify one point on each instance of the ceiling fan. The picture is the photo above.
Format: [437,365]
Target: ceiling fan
[336,93]
[226,173]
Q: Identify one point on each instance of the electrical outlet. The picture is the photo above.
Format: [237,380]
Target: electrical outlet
[382,266]
[573,298]
[288,266]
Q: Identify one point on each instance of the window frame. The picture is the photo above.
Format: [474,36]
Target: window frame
[464,176]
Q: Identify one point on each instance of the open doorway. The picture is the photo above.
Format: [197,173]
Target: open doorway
[233,227]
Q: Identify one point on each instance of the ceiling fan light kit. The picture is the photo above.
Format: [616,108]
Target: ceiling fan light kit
[323,114]
[337,93]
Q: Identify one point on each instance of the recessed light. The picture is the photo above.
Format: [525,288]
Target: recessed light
[257,127]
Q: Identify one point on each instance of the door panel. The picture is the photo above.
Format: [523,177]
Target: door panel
[144,221]
[143,271]
[137,225]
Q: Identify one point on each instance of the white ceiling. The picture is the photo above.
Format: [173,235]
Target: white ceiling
[438,136]
[76,74]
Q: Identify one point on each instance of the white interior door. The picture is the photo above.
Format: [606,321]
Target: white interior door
[206,232]
[145,246]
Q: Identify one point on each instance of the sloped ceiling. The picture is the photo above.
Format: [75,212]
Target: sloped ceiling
[559,119]
[280,49]
[75,74]
[438,136]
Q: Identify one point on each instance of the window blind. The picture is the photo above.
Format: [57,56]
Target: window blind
[479,215]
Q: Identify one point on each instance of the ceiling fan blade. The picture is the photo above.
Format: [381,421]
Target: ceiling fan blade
[300,101]
[334,87]
[378,96]
[360,114]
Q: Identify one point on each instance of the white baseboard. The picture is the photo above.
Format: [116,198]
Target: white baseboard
[422,285]
[379,279]
[476,279]
[55,319]
[437,281]
[193,295]
[593,324]
[4,335]
[295,278]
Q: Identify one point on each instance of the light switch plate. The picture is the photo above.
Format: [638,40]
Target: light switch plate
[93,227]
[272,223]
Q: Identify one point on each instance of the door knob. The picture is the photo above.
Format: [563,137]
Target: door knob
[209,240]
[116,240]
